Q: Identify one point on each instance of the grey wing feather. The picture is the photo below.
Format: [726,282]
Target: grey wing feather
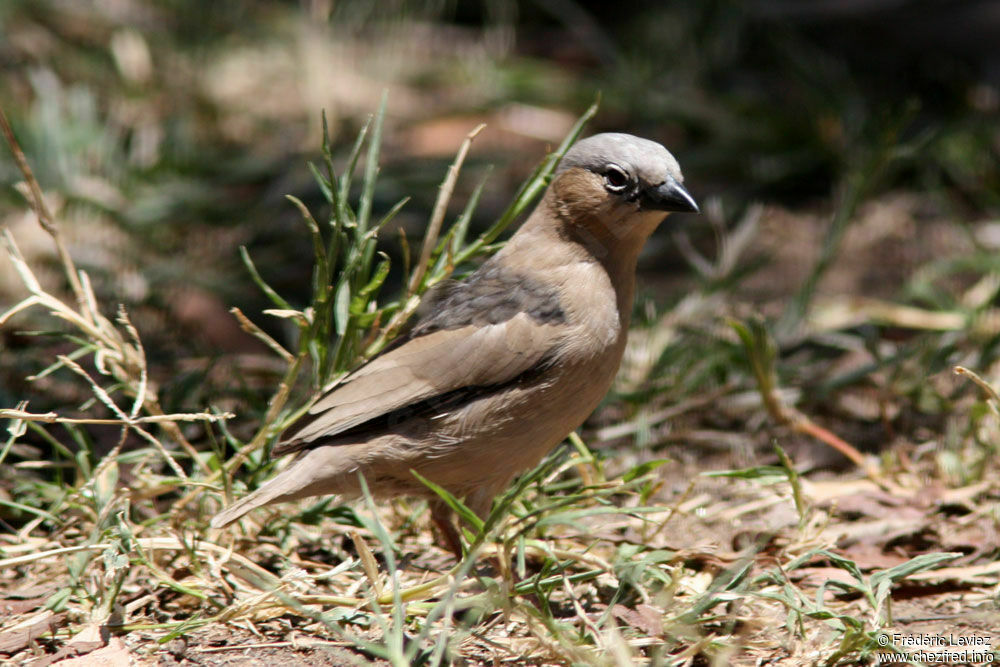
[427,365]
[430,365]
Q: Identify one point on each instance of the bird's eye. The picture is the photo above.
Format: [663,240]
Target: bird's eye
[615,179]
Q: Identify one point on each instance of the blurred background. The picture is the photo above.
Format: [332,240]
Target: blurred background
[166,134]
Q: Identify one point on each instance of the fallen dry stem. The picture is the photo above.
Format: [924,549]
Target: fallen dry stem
[54,418]
[788,415]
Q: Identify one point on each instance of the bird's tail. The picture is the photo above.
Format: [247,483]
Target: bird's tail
[314,474]
[265,495]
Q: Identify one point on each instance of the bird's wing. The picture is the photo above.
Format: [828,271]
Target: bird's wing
[426,366]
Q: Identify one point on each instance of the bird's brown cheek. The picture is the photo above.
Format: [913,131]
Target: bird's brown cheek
[581,191]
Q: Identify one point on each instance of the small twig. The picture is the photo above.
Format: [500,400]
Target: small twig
[55,306]
[203,548]
[367,562]
[41,555]
[140,394]
[310,642]
[174,431]
[109,402]
[440,207]
[788,415]
[278,401]
[261,335]
[30,302]
[580,612]
[674,509]
[273,409]
[761,353]
[37,202]
[54,418]
[987,388]
[412,300]
[128,361]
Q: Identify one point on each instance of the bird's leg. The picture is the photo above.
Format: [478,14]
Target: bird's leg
[444,519]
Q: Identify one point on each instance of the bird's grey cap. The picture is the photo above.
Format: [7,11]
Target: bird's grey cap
[651,162]
[659,182]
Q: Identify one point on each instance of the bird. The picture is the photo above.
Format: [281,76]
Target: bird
[504,364]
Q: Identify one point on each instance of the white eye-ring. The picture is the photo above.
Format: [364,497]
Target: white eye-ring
[615,178]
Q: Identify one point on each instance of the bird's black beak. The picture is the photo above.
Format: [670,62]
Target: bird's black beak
[668,196]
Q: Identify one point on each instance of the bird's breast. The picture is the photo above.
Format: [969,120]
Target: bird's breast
[533,415]
[596,324]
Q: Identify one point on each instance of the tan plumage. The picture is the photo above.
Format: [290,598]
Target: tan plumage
[506,363]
